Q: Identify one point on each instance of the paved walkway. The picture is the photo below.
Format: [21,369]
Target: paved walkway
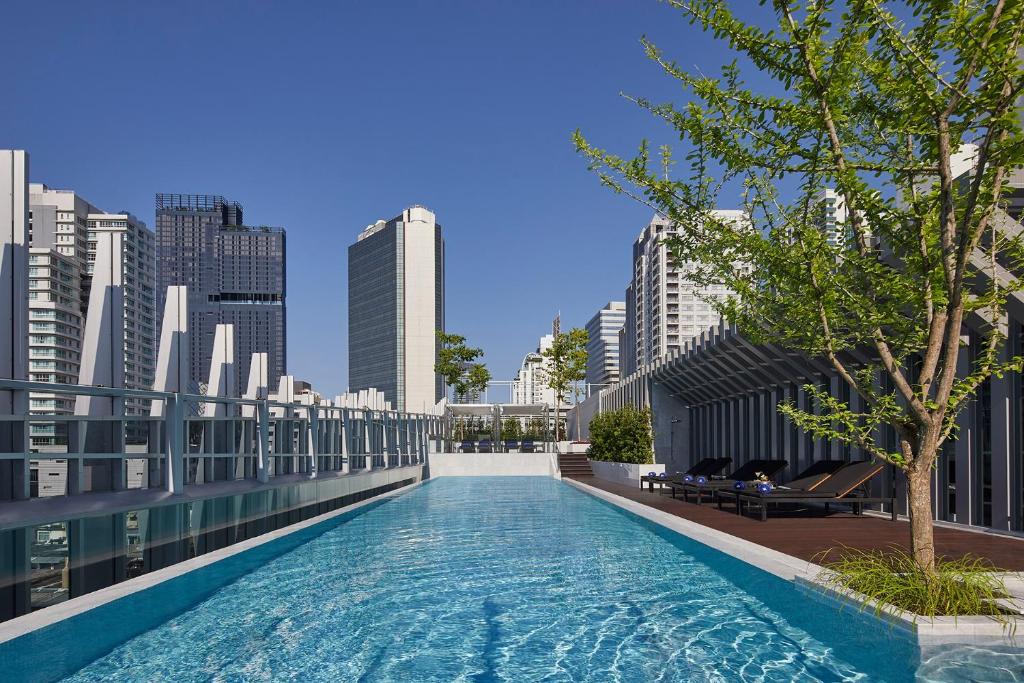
[805,536]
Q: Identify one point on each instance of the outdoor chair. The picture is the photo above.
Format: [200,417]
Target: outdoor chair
[527,446]
[467,447]
[486,446]
[846,486]
[808,480]
[704,468]
[744,473]
[511,445]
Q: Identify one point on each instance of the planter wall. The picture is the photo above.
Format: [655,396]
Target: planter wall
[623,472]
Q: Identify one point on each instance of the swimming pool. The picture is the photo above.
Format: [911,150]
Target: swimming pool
[473,579]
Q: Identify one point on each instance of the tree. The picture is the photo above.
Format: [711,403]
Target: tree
[567,367]
[876,99]
[510,428]
[622,436]
[456,362]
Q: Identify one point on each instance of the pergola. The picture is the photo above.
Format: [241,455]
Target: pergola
[492,415]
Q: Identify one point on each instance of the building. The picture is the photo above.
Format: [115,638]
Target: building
[603,343]
[55,336]
[235,275]
[62,231]
[395,307]
[138,272]
[833,216]
[666,307]
[530,385]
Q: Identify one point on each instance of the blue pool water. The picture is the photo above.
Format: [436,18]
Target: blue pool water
[483,579]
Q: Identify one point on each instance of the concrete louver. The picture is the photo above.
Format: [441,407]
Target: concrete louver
[172,360]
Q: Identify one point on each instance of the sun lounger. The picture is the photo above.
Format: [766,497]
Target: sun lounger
[846,486]
[744,473]
[705,467]
[808,480]
[467,447]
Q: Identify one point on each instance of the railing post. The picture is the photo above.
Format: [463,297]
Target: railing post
[313,439]
[346,433]
[263,442]
[173,440]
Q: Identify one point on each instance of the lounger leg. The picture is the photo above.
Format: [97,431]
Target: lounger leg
[719,497]
[764,511]
[739,506]
[892,507]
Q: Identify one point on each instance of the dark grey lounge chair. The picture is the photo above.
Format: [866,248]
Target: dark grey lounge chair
[486,446]
[467,447]
[527,446]
[744,473]
[846,486]
[510,445]
[705,467]
[808,480]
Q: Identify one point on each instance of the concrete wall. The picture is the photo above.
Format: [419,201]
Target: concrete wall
[623,472]
[492,465]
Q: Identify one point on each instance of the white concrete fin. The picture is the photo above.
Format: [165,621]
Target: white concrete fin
[222,369]
[172,358]
[103,339]
[257,387]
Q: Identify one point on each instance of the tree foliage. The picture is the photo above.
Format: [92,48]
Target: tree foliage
[878,100]
[622,436]
[456,362]
[567,367]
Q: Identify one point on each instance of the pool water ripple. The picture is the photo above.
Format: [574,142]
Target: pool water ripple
[507,579]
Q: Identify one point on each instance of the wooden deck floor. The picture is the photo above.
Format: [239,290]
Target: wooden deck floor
[804,536]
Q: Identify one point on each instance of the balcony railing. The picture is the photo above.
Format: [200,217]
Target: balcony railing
[194,439]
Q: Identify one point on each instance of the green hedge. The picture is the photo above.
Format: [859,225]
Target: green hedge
[622,436]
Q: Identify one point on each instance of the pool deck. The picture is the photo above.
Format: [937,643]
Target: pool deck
[805,536]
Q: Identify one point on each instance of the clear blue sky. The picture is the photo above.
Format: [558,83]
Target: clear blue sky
[322,117]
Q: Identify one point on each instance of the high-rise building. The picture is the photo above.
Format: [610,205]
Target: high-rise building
[62,231]
[669,307]
[395,307]
[530,385]
[235,275]
[603,343]
[627,337]
[138,273]
[55,336]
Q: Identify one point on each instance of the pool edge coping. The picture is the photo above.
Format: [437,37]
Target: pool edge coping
[47,616]
[929,631]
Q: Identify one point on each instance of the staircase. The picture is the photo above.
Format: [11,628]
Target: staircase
[574,465]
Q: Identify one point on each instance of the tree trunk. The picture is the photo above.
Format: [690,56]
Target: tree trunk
[558,418]
[919,488]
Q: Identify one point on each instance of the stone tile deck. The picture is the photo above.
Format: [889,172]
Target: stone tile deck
[804,535]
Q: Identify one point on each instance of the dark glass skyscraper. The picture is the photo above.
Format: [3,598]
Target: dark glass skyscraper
[235,275]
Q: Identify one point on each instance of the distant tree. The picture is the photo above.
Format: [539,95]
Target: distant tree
[510,428]
[878,100]
[567,367]
[456,363]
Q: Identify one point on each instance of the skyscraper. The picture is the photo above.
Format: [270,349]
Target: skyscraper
[603,343]
[395,307]
[63,230]
[668,307]
[235,275]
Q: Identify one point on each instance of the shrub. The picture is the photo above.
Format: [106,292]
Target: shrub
[967,586]
[622,436]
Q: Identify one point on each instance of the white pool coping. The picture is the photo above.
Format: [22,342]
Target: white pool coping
[19,626]
[931,632]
